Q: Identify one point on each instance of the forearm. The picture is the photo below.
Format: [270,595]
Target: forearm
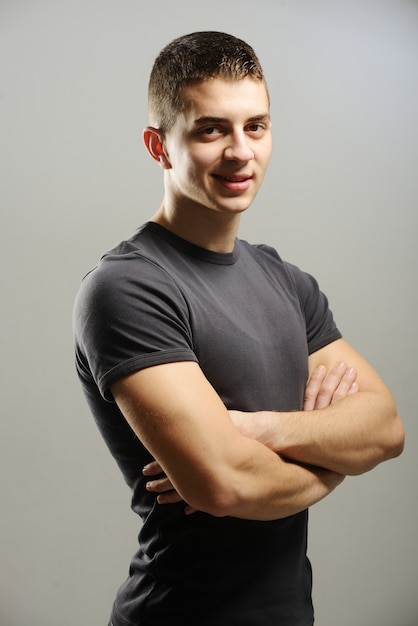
[349,437]
[261,486]
[284,491]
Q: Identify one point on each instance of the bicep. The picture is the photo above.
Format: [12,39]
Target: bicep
[181,420]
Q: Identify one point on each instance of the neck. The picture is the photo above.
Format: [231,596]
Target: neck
[210,230]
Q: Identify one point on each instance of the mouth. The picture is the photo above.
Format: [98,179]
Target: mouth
[234,183]
[233,178]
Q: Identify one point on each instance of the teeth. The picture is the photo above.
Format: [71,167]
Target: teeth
[233,180]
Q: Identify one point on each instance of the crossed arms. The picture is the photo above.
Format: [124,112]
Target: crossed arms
[263,465]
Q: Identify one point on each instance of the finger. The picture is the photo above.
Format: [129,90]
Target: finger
[330,385]
[353,389]
[313,388]
[169,497]
[152,469]
[189,510]
[160,485]
[345,385]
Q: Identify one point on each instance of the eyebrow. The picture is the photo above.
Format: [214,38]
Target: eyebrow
[219,120]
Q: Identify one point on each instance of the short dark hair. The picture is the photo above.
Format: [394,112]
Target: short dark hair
[191,59]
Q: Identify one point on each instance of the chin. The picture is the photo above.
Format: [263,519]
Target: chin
[238,207]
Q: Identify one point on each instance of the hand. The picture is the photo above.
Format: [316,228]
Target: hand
[163,486]
[324,389]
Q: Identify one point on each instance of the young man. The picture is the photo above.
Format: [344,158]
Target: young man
[194,349]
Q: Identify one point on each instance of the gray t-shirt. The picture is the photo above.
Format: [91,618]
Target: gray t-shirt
[250,320]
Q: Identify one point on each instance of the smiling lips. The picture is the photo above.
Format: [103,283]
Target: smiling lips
[234,182]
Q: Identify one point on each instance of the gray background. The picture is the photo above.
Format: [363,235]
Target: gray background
[340,200]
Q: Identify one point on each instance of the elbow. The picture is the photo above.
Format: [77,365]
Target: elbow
[217,498]
[390,446]
[218,507]
[221,504]
[392,436]
[396,440]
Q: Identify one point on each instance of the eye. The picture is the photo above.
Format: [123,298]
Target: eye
[210,130]
[209,133]
[255,128]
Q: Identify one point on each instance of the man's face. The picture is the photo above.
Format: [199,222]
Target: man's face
[220,146]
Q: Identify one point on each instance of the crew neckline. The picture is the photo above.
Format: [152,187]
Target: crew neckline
[218,258]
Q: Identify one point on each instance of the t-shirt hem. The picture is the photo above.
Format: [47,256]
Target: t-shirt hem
[138,363]
[321,342]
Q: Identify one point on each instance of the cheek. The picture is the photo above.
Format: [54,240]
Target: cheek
[264,157]
[203,154]
[198,164]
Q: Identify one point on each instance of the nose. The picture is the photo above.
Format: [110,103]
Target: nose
[238,148]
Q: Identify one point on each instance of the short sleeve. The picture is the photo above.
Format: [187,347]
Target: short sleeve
[128,315]
[321,328]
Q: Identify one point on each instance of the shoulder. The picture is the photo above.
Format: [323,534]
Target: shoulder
[312,300]
[124,290]
[122,272]
[269,258]
[260,251]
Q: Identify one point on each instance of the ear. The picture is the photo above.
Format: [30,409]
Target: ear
[153,141]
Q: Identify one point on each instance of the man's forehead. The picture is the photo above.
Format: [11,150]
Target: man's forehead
[216,98]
